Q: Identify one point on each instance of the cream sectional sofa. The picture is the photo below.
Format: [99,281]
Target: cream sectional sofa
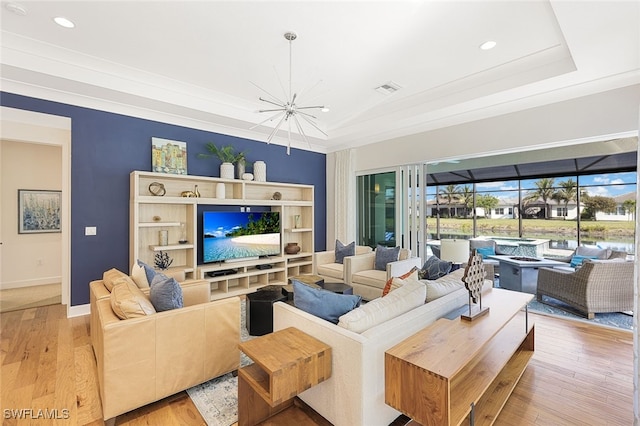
[354,394]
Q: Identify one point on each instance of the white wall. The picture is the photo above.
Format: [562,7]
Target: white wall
[603,114]
[28,259]
[575,121]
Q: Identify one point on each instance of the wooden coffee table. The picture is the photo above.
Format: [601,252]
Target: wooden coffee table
[286,362]
[454,369]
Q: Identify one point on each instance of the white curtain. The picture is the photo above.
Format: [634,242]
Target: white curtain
[345,196]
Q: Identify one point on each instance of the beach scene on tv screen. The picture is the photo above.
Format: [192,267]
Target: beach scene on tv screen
[236,235]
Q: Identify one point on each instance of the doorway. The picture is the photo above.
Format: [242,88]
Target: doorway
[35,153]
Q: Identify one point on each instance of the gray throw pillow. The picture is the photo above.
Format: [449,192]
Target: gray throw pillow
[385,255]
[323,303]
[165,293]
[344,250]
[434,268]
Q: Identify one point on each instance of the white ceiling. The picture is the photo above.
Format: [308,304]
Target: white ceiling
[194,62]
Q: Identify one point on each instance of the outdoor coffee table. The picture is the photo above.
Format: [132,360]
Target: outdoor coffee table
[520,273]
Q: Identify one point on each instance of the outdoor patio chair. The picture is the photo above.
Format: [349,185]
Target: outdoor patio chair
[597,286]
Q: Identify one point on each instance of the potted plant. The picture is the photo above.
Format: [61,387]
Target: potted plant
[228,155]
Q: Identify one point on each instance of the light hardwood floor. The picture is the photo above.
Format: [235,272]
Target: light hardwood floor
[581,374]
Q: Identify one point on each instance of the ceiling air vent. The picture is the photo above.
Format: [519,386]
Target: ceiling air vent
[388,88]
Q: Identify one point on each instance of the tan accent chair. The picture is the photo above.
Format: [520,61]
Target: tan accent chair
[325,264]
[142,360]
[369,282]
[597,286]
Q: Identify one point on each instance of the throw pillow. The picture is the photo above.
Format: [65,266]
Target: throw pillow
[576,260]
[323,303]
[389,284]
[109,277]
[127,301]
[165,293]
[142,274]
[343,251]
[485,252]
[434,268]
[385,255]
[437,289]
[408,297]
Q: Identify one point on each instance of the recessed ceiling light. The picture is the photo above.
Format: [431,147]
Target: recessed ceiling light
[325,109]
[64,22]
[16,8]
[488,45]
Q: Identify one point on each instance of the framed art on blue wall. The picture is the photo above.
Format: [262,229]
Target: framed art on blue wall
[168,156]
[38,211]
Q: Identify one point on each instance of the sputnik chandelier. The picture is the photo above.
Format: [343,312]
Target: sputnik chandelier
[287,110]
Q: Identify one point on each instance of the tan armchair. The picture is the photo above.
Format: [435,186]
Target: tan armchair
[598,286]
[369,282]
[142,360]
[325,264]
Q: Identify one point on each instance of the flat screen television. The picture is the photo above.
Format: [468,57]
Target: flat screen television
[228,236]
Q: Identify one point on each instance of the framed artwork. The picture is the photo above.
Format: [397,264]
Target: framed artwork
[168,156]
[38,211]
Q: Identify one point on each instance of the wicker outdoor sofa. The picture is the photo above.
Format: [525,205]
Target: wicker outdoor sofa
[597,286]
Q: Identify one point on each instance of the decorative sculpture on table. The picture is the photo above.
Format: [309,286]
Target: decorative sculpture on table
[473,279]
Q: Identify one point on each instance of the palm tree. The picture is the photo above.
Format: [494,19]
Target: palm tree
[630,208]
[451,193]
[544,191]
[568,191]
[467,199]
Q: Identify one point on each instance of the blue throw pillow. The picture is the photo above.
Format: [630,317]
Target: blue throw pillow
[343,251]
[165,293]
[385,255]
[148,270]
[485,252]
[435,268]
[323,303]
[577,260]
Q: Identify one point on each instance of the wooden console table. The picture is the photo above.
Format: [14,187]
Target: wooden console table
[286,363]
[459,372]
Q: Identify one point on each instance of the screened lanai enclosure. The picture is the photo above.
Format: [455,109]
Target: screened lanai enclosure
[549,201]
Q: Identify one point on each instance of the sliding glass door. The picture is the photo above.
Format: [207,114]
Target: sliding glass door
[377,209]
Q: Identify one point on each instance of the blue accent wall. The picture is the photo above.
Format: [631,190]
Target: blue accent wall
[107,147]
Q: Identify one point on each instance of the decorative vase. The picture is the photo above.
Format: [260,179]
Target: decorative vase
[226,171]
[247,176]
[297,221]
[240,168]
[163,238]
[183,234]
[292,248]
[220,191]
[260,171]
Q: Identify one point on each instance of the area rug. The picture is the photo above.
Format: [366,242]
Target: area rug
[558,309]
[217,399]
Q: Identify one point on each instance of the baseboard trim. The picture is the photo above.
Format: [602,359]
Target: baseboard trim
[31,283]
[78,310]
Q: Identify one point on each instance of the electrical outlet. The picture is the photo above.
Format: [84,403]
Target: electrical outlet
[90,230]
